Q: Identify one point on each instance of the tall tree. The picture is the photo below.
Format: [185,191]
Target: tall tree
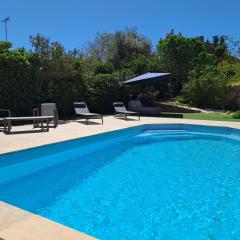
[180,55]
[118,47]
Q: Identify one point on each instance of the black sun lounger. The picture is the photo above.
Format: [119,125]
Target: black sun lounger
[120,110]
[81,109]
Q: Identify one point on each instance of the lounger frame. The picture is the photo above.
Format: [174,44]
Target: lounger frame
[81,110]
[120,110]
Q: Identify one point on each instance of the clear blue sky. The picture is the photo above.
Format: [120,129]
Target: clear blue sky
[75,22]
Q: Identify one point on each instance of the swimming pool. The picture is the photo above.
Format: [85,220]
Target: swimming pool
[149,182]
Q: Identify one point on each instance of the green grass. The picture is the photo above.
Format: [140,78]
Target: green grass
[216,116]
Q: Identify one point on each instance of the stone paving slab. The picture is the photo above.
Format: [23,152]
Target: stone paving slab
[17,224]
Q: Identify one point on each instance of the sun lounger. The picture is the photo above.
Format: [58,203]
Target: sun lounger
[138,107]
[47,109]
[120,110]
[81,109]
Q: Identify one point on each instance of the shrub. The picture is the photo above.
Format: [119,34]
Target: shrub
[17,88]
[236,115]
[105,90]
[104,68]
[206,88]
[5,46]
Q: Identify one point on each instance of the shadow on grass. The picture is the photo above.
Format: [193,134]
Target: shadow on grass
[171,115]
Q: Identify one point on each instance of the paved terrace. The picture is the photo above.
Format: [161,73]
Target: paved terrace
[16,224]
[24,137]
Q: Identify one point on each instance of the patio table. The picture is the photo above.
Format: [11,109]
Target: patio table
[8,121]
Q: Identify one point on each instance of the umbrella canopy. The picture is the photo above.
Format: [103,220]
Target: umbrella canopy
[148,76]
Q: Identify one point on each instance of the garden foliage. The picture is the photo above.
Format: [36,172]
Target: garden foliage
[203,71]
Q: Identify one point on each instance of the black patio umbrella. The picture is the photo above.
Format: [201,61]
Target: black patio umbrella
[144,78]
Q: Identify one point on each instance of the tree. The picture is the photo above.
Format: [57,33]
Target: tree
[50,73]
[106,89]
[104,68]
[206,88]
[118,47]
[180,55]
[233,47]
[101,47]
[127,44]
[219,48]
[16,85]
[140,64]
[59,74]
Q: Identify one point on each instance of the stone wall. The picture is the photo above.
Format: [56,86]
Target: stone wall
[170,107]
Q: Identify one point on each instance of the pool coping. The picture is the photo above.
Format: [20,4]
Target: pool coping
[29,226]
[111,131]
[12,143]
[18,224]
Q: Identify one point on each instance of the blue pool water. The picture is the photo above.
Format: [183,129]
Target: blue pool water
[151,182]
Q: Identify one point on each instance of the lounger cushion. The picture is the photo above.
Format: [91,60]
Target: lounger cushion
[89,114]
[127,112]
[118,105]
[82,109]
[135,104]
[138,107]
[79,105]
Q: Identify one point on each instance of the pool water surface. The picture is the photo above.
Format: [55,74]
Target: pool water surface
[172,182]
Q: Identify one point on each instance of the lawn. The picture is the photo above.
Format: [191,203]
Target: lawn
[216,116]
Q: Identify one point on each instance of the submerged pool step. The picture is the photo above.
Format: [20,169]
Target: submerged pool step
[160,134]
